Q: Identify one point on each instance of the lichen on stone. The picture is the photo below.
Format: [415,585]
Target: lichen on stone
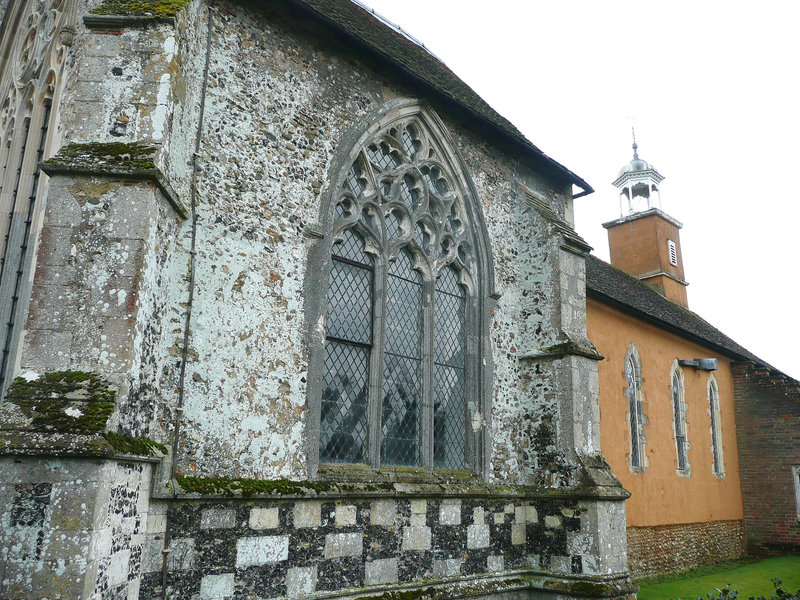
[64,401]
[249,487]
[140,8]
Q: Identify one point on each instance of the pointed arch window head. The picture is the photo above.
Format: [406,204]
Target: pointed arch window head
[406,291]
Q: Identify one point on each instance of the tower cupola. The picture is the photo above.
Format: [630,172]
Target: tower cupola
[638,182]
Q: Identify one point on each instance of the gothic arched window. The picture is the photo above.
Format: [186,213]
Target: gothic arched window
[716,431]
[402,381]
[679,419]
[633,392]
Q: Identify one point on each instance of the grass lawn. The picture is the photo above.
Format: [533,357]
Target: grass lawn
[750,577]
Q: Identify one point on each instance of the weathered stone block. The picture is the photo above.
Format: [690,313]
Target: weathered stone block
[217,587]
[218,518]
[345,515]
[307,514]
[419,511]
[263,518]
[518,533]
[338,545]
[380,571]
[477,536]
[552,521]
[301,581]
[494,563]
[450,512]
[261,550]
[383,512]
[416,537]
[447,567]
[182,554]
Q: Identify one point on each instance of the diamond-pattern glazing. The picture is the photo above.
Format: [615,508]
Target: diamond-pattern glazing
[382,156]
[355,179]
[410,141]
[400,414]
[449,418]
[343,426]
[352,248]
[448,321]
[633,407]
[408,194]
[350,303]
[403,307]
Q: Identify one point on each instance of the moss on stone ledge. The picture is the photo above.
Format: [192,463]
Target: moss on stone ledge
[64,401]
[131,445]
[249,487]
[140,8]
[132,156]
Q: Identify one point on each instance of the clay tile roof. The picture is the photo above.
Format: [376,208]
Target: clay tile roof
[618,289]
[375,35]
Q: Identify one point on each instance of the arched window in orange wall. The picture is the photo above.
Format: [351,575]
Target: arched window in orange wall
[679,419]
[633,392]
[716,431]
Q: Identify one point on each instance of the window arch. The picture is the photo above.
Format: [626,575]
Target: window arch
[403,378]
[679,419]
[633,394]
[718,465]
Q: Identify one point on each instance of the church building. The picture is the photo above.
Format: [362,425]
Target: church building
[288,311]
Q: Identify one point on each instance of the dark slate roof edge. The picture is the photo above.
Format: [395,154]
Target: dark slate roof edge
[348,17]
[628,294]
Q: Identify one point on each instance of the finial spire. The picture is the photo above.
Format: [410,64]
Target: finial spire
[635,145]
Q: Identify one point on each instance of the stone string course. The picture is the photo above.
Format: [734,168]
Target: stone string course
[292,548]
[670,548]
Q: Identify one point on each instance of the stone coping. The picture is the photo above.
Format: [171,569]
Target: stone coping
[199,488]
[113,159]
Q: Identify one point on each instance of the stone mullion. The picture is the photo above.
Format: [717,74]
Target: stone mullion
[375,399]
[426,416]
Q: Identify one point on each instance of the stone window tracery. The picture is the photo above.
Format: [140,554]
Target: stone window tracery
[402,382]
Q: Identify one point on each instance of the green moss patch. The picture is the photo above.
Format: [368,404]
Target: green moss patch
[131,445]
[133,156]
[141,8]
[249,487]
[64,401]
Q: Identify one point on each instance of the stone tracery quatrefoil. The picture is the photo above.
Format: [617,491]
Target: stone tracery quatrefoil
[400,194]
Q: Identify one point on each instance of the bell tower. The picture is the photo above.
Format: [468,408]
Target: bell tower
[645,241]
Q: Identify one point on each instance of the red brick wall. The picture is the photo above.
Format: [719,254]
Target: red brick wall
[768,436]
[670,548]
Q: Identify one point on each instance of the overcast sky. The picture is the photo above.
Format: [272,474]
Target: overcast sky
[713,90]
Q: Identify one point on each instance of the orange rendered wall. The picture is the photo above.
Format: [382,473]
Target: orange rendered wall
[659,496]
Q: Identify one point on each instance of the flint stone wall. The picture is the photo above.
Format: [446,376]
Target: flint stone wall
[292,548]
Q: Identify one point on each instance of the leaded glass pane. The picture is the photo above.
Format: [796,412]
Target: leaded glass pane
[343,426]
[410,142]
[350,303]
[680,436]
[382,156]
[713,402]
[449,402]
[408,194]
[402,372]
[351,247]
[632,377]
[355,180]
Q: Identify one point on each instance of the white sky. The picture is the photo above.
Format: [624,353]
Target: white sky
[713,90]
